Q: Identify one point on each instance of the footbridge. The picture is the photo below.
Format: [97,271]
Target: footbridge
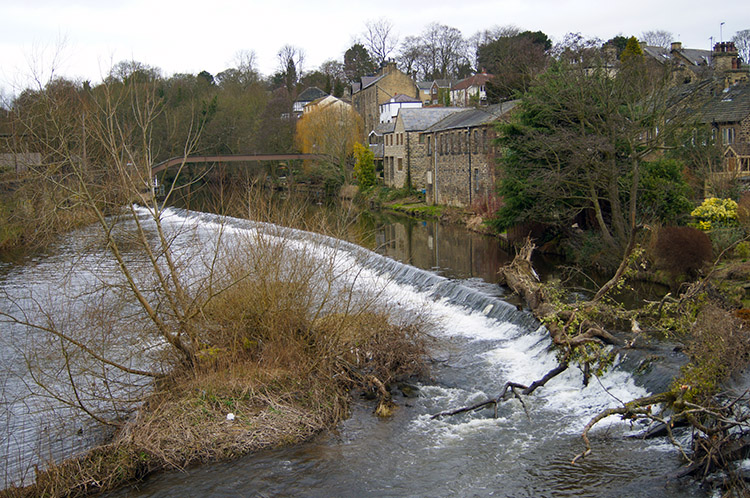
[233,158]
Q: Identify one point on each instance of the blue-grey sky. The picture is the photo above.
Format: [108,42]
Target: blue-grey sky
[84,38]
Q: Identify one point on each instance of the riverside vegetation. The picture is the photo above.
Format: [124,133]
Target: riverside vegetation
[280,339]
[246,322]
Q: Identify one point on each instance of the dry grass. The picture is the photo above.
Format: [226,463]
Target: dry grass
[285,338]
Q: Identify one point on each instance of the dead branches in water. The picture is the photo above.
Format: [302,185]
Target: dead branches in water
[514,388]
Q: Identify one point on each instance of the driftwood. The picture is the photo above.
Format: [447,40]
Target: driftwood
[513,387]
[521,278]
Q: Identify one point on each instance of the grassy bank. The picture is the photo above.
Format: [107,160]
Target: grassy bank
[283,341]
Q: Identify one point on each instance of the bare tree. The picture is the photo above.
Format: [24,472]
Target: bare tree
[439,52]
[380,39]
[741,40]
[657,38]
[412,57]
[291,64]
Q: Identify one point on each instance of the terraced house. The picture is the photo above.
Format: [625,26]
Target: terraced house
[404,148]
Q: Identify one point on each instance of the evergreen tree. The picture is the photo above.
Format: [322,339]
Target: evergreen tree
[632,50]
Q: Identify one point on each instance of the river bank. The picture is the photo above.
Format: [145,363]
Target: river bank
[413,244]
[279,362]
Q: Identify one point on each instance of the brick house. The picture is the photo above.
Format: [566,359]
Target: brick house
[425,92]
[402,144]
[459,161]
[376,143]
[372,91]
[440,92]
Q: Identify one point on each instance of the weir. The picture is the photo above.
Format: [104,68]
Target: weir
[480,343]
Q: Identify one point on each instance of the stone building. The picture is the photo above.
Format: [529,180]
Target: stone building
[402,144]
[372,91]
[728,115]
[458,163]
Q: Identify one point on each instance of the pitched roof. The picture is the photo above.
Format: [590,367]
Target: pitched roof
[421,118]
[475,80]
[730,106]
[382,128]
[424,85]
[469,118]
[310,94]
[739,149]
[442,83]
[403,98]
[368,81]
[694,56]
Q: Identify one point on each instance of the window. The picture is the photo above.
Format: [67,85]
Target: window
[429,145]
[400,164]
[476,179]
[727,135]
[476,141]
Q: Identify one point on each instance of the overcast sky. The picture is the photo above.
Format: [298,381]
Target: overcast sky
[84,38]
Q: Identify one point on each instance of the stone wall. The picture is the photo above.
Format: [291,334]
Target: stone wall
[460,168]
[367,101]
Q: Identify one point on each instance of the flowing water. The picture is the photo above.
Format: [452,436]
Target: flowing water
[482,342]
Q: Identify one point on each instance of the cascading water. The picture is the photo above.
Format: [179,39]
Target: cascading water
[482,342]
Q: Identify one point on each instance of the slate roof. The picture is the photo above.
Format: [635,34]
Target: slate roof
[403,98]
[368,81]
[739,149]
[419,119]
[310,94]
[383,128]
[469,118]
[730,106]
[424,85]
[443,83]
[694,56]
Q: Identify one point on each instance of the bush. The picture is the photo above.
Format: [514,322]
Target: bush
[714,211]
[681,250]
[742,250]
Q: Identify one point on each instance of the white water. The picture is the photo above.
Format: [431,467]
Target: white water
[485,342]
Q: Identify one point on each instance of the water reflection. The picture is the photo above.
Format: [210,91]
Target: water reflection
[449,250]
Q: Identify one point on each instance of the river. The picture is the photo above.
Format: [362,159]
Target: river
[481,342]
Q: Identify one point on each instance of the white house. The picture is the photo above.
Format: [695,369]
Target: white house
[389,110]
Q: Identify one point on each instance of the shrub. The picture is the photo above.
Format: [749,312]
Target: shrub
[681,250]
[715,211]
[742,250]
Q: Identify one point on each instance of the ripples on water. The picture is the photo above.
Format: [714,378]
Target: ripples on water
[483,342]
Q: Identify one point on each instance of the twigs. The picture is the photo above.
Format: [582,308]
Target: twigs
[637,408]
[509,386]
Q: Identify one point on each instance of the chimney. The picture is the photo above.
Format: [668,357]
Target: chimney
[675,46]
